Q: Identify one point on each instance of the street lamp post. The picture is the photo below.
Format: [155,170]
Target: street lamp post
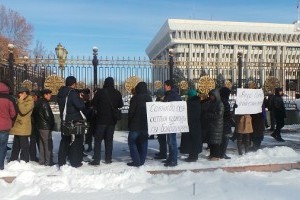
[171,62]
[11,66]
[26,67]
[95,64]
[240,69]
[61,54]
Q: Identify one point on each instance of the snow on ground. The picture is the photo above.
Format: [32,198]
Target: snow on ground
[118,181]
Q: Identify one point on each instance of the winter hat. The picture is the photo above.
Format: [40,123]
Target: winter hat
[108,82]
[23,89]
[191,93]
[4,88]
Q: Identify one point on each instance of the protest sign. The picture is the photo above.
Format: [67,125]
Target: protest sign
[249,101]
[167,117]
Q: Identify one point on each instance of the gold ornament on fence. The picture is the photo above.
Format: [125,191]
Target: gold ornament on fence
[206,84]
[53,83]
[157,85]
[184,85]
[28,84]
[270,84]
[131,82]
[81,85]
[228,84]
[251,84]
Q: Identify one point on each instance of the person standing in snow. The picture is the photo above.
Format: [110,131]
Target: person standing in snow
[214,119]
[44,119]
[279,113]
[8,112]
[104,101]
[73,149]
[137,124]
[22,126]
[171,95]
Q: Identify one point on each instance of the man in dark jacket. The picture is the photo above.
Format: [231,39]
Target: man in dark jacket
[105,101]
[279,114]
[171,95]
[75,104]
[44,121]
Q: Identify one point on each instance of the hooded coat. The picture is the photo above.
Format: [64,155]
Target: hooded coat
[278,106]
[8,108]
[214,118]
[22,125]
[104,100]
[137,113]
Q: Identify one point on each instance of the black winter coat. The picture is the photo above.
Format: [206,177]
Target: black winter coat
[74,105]
[214,119]
[103,101]
[227,117]
[43,116]
[278,108]
[137,114]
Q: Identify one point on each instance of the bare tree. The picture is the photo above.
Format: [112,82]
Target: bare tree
[39,50]
[15,28]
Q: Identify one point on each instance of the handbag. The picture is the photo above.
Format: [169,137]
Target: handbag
[116,114]
[71,128]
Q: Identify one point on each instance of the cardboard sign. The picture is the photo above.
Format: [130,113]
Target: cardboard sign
[249,101]
[167,117]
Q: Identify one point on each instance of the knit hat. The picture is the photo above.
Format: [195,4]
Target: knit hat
[23,89]
[191,93]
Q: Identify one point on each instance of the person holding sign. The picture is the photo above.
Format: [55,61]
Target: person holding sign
[137,124]
[171,95]
[214,119]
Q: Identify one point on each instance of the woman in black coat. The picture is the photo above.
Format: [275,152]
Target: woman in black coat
[227,121]
[137,124]
[214,120]
[279,113]
[194,137]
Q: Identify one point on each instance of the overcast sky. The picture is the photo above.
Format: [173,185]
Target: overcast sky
[126,27]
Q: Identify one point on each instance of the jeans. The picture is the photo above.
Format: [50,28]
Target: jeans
[172,144]
[105,132]
[138,145]
[3,147]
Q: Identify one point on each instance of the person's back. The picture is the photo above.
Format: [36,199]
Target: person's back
[8,111]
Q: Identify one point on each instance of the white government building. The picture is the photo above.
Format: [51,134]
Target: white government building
[220,41]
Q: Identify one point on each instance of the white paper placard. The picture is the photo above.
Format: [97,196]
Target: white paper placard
[249,101]
[167,117]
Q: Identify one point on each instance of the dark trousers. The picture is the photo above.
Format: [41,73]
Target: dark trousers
[138,145]
[46,147]
[106,133]
[162,141]
[272,120]
[214,150]
[34,143]
[279,126]
[72,150]
[20,144]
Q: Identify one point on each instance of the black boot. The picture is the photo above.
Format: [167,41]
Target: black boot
[239,146]
[223,148]
[247,143]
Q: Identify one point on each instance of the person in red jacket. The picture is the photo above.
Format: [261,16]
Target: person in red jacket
[8,112]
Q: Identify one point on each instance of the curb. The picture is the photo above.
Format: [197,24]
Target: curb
[255,168]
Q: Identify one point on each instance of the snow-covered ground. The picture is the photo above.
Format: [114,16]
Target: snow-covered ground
[118,181]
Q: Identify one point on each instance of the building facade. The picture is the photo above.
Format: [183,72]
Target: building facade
[220,41]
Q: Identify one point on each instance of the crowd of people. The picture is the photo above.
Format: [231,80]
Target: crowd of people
[211,120]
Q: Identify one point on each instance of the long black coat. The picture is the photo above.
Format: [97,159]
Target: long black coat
[214,118]
[137,113]
[103,102]
[43,116]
